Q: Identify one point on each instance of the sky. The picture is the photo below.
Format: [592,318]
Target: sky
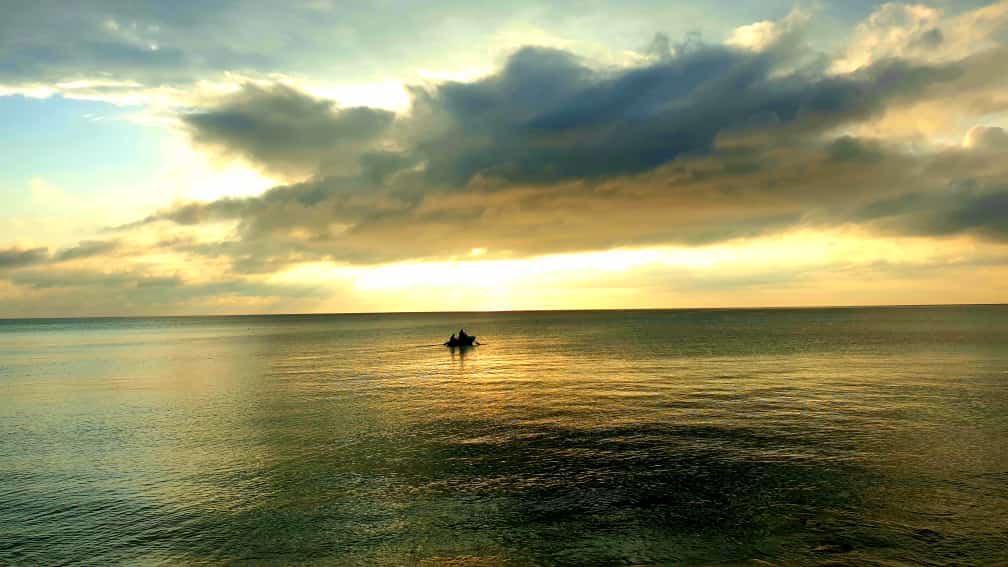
[231,156]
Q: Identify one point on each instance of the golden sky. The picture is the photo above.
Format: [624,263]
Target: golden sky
[165,160]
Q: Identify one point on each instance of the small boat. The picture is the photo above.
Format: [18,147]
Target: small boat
[469,341]
[462,340]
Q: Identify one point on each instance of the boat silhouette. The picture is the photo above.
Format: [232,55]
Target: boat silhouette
[462,340]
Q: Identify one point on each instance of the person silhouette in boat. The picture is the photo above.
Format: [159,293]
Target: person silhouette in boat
[462,340]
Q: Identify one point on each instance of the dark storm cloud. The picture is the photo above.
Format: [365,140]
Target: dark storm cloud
[288,131]
[18,257]
[547,116]
[551,154]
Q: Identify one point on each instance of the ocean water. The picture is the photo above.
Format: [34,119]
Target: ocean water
[874,436]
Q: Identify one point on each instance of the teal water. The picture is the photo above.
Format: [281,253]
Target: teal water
[875,436]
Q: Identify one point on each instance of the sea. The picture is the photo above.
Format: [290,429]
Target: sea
[839,436]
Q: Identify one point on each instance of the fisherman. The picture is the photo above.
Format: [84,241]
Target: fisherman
[462,335]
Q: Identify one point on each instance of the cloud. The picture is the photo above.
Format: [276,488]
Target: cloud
[145,50]
[126,290]
[554,154]
[547,116]
[51,42]
[17,257]
[44,279]
[768,33]
[971,209]
[917,32]
[986,137]
[11,258]
[893,30]
[728,194]
[86,249]
[289,132]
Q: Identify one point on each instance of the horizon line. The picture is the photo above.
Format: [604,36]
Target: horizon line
[490,311]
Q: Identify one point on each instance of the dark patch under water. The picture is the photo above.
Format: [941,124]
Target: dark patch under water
[868,436]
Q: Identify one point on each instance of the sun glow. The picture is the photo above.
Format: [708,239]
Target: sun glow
[191,174]
[623,277]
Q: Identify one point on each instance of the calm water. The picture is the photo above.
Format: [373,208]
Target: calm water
[832,436]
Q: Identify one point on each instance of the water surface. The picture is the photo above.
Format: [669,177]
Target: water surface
[807,436]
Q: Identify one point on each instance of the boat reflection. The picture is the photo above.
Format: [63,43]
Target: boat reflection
[459,352]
